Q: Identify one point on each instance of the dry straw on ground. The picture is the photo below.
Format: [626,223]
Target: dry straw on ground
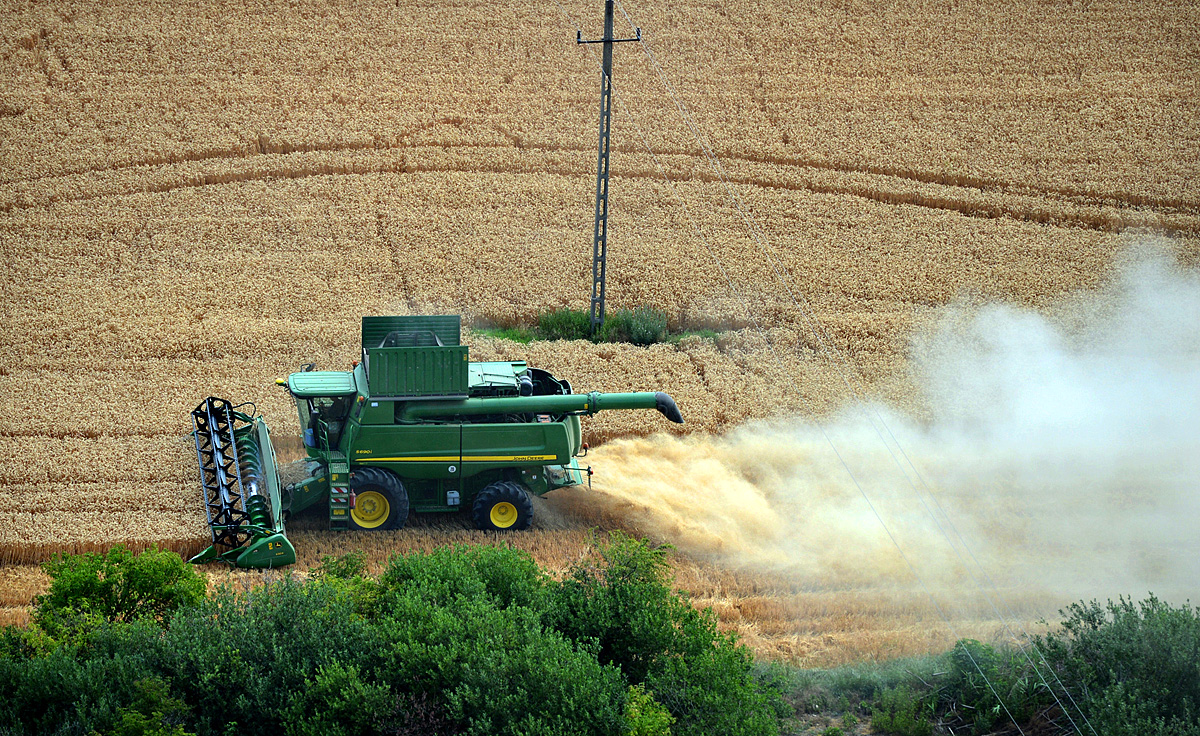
[196,199]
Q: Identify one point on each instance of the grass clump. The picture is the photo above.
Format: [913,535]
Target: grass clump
[564,324]
[637,326]
[523,335]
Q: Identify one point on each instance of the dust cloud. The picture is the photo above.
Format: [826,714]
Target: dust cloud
[1059,453]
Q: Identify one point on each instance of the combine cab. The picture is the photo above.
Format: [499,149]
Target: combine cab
[415,426]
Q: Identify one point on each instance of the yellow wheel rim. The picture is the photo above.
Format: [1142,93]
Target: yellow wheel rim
[370,510]
[504,515]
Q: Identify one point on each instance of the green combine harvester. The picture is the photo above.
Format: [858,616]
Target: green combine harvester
[415,426]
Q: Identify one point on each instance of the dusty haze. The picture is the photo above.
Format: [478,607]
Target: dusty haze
[1059,451]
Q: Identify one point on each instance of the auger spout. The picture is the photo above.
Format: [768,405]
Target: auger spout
[589,403]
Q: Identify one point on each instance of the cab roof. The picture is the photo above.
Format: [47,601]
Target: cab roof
[311,384]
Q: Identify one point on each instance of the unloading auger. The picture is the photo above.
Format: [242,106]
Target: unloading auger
[415,426]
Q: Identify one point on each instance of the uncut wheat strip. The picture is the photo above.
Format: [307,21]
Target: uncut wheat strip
[177,388]
[34,537]
[19,584]
[54,461]
[178,498]
[14,615]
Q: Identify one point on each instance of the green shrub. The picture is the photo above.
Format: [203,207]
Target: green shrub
[153,713]
[501,576]
[252,658]
[645,716]
[103,681]
[986,688]
[1133,667]
[619,600]
[640,326]
[489,670]
[903,712]
[474,640]
[118,586]
[350,565]
[564,324]
[336,701]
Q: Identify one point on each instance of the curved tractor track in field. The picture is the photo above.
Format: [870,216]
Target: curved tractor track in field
[1106,211]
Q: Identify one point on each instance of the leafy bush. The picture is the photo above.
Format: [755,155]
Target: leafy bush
[118,586]
[153,713]
[500,576]
[640,326]
[904,712]
[620,599]
[645,716]
[1130,668]
[337,702]
[565,324]
[987,687]
[473,640]
[1133,667]
[350,565]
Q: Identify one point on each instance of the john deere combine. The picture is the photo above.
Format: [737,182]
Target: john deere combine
[415,426]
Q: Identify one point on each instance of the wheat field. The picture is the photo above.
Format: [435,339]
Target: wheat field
[197,198]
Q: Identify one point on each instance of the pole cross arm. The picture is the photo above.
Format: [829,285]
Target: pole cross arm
[579,38]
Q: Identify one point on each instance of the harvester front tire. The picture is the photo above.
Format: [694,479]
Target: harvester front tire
[380,500]
[502,506]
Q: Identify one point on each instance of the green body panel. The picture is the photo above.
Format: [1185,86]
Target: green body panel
[426,451]
[405,372]
[495,374]
[273,550]
[309,491]
[415,356]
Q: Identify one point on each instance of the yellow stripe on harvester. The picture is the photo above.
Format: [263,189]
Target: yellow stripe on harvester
[465,459]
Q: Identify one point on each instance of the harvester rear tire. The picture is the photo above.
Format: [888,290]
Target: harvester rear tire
[502,506]
[373,487]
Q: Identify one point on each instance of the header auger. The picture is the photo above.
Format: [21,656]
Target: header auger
[415,426]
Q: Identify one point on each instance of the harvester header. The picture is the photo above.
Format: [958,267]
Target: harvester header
[414,426]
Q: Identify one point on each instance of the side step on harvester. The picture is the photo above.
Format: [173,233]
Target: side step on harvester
[415,426]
